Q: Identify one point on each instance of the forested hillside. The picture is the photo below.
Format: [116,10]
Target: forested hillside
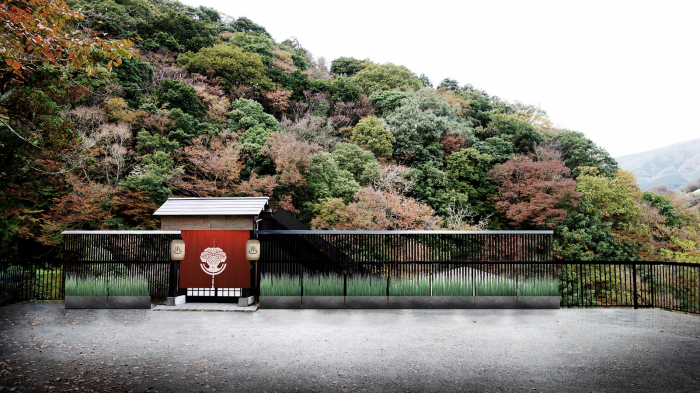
[130,102]
[672,166]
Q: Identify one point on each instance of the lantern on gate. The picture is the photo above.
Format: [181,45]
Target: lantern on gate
[252,250]
[177,250]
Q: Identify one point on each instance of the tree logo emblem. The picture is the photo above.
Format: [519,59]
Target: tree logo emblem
[213,257]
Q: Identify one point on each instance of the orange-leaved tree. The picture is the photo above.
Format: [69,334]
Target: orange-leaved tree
[33,32]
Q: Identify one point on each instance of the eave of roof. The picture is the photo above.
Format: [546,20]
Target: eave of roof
[213,206]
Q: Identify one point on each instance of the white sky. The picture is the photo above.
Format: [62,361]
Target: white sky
[625,73]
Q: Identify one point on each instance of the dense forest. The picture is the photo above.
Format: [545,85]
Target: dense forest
[109,107]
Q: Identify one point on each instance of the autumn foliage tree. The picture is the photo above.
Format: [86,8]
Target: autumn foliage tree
[530,194]
[34,32]
[374,210]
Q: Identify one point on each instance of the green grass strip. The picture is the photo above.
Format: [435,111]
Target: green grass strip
[419,286]
[280,285]
[452,287]
[538,287]
[495,286]
[323,285]
[79,287]
[366,285]
[132,286]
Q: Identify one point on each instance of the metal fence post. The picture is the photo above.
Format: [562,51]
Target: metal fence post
[651,278]
[172,290]
[634,285]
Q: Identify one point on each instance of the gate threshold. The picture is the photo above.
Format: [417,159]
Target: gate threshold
[206,307]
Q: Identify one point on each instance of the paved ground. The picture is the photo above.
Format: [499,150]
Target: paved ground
[44,347]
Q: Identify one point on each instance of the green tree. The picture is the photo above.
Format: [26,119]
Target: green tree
[359,162]
[247,113]
[426,81]
[115,18]
[156,172]
[387,101]
[327,180]
[244,24]
[419,123]
[343,88]
[162,40]
[449,84]
[151,143]
[509,128]
[605,224]
[180,95]
[432,186]
[663,204]
[585,237]
[348,66]
[192,34]
[135,77]
[480,105]
[369,133]
[230,64]
[254,127]
[468,172]
[186,127]
[377,77]
[497,148]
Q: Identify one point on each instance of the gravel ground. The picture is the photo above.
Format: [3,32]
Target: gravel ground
[46,348]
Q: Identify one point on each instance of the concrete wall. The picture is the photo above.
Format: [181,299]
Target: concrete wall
[206,223]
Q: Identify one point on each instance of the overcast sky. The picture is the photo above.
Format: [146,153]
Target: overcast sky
[625,73]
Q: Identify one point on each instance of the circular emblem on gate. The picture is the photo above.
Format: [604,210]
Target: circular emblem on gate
[213,257]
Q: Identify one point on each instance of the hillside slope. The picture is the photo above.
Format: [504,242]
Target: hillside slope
[673,166]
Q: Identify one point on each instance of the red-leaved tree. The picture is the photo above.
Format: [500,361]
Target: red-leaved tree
[531,194]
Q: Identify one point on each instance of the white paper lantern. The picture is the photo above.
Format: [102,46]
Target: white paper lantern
[177,250]
[252,250]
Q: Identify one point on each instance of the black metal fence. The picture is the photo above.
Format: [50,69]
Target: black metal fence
[521,257]
[405,246]
[25,280]
[671,286]
[123,246]
[144,254]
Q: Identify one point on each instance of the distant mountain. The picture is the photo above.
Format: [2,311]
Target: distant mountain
[673,166]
